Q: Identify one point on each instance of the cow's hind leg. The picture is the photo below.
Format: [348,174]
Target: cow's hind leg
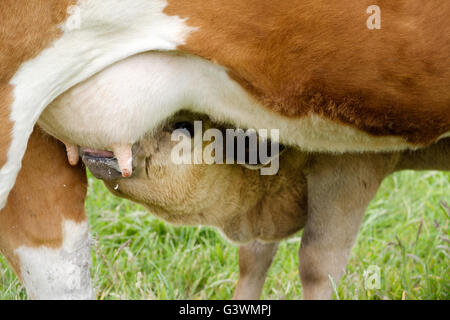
[255,259]
[339,190]
[43,227]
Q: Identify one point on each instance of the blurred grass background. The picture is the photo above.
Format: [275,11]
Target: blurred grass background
[135,256]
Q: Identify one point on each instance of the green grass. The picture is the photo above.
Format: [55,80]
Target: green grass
[159,261]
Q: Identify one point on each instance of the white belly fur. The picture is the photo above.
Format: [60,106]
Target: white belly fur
[135,95]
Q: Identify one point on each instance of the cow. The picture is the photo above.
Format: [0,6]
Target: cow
[313,69]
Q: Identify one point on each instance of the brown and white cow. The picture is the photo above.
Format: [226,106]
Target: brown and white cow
[310,68]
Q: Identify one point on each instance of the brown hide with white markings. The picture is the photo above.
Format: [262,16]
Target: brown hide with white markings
[26,28]
[41,200]
[312,56]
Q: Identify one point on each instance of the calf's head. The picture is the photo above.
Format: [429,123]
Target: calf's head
[239,201]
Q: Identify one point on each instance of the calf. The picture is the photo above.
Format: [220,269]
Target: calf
[325,194]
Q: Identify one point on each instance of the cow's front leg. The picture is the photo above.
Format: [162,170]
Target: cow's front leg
[44,232]
[255,259]
[339,190]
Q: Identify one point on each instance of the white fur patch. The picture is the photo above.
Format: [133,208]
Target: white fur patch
[59,273]
[110,30]
[133,97]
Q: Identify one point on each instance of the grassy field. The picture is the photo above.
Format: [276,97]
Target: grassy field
[405,234]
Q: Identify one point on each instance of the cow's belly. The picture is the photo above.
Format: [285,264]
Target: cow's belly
[129,99]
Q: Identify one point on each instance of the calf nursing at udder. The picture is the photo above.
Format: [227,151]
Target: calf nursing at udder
[326,194]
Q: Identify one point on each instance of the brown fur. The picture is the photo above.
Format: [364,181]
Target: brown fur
[26,28]
[40,198]
[304,56]
[6,125]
